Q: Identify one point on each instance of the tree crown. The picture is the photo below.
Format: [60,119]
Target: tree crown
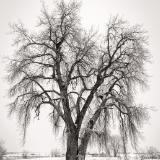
[86,83]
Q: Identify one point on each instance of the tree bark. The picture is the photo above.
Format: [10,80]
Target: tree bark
[83,146]
[86,137]
[72,146]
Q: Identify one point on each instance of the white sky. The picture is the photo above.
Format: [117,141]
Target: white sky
[94,13]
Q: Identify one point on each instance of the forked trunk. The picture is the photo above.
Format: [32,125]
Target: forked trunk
[72,146]
[73,152]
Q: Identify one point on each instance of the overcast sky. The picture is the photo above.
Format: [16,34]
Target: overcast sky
[94,13]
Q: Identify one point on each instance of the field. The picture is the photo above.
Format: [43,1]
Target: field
[63,158]
[19,156]
[88,158]
[131,157]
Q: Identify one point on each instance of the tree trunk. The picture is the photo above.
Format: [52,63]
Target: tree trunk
[86,137]
[83,146]
[72,146]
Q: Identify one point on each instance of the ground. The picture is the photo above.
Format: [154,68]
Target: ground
[88,158]
[45,157]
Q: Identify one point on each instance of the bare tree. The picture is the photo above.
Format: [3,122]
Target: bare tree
[25,154]
[88,83]
[153,153]
[55,153]
[115,145]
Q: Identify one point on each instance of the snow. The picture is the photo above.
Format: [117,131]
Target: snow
[63,158]
[87,158]
[17,157]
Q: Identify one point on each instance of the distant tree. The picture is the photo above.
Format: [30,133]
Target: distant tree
[25,155]
[55,153]
[153,153]
[115,145]
[2,150]
[88,81]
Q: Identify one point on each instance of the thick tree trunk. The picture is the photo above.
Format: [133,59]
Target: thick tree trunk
[83,146]
[86,137]
[72,146]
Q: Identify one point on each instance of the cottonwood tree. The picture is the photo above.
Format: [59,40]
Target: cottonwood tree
[87,82]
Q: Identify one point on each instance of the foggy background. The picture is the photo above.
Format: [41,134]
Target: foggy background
[94,13]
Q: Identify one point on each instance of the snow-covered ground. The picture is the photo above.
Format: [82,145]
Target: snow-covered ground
[63,158]
[130,157]
[87,158]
